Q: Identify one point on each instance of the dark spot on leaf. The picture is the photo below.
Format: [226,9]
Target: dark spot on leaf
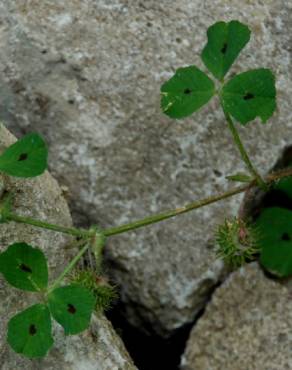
[32,329]
[25,268]
[224,48]
[187,91]
[285,237]
[71,309]
[44,51]
[71,101]
[22,157]
[248,96]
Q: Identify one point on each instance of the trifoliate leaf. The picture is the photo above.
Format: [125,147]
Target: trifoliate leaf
[29,332]
[24,267]
[240,177]
[25,158]
[249,95]
[187,91]
[225,42]
[72,306]
[275,230]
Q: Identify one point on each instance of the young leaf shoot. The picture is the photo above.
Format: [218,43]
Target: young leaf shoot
[240,177]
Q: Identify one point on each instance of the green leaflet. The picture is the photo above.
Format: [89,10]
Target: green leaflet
[187,91]
[29,332]
[25,158]
[24,267]
[72,306]
[249,95]
[225,42]
[275,231]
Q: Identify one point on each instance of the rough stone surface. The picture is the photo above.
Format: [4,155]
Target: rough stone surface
[87,75]
[247,326]
[98,348]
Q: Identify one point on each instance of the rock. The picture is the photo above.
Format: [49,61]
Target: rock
[247,326]
[97,348]
[87,75]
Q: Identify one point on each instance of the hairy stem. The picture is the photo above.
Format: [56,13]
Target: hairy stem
[192,206]
[243,152]
[173,212]
[97,244]
[48,226]
[150,219]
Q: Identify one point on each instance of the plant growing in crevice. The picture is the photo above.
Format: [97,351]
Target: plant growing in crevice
[246,96]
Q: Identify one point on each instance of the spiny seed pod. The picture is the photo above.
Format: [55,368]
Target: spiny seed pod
[237,242]
[104,293]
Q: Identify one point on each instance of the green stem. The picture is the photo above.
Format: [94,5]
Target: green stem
[45,225]
[174,212]
[243,152]
[147,220]
[69,267]
[97,243]
[191,206]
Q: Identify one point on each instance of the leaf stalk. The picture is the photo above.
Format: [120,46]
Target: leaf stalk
[243,152]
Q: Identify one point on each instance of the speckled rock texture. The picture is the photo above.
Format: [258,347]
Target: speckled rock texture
[247,326]
[87,75]
[98,348]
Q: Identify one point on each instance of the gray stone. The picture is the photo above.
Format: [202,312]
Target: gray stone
[247,326]
[99,347]
[87,75]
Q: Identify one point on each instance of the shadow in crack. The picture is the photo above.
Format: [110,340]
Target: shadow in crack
[150,352]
